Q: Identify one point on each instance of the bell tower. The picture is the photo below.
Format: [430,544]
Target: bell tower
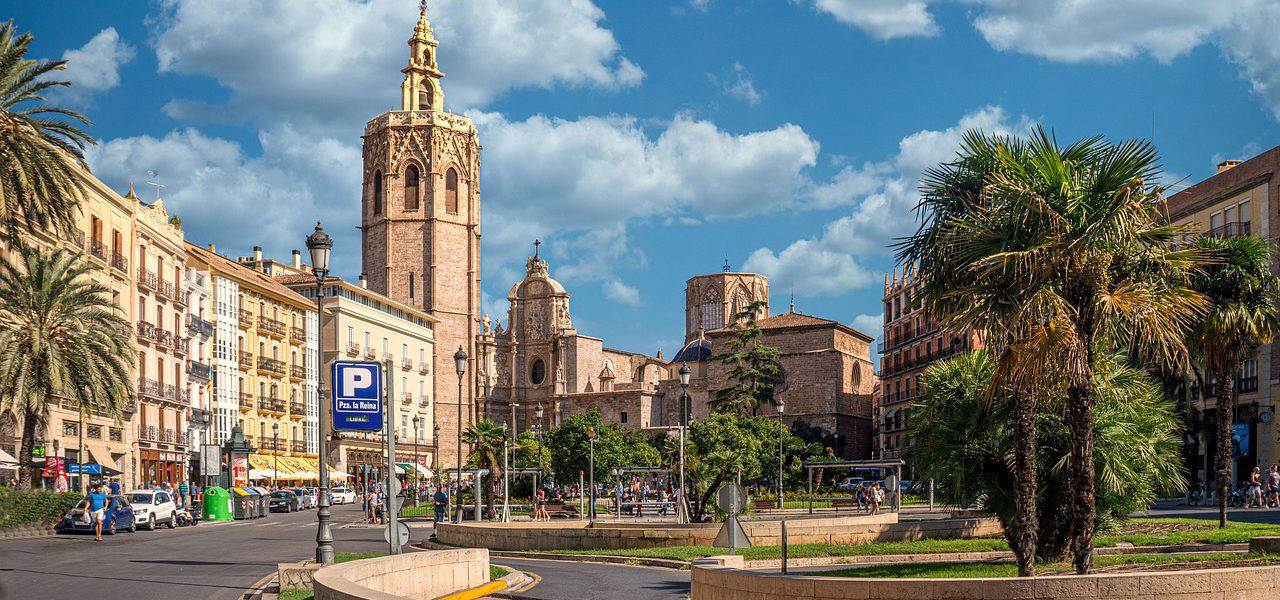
[420,223]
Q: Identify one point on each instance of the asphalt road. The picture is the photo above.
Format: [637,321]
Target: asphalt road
[595,581]
[216,561]
[1166,508]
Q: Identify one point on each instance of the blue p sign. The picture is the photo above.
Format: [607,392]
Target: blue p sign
[357,395]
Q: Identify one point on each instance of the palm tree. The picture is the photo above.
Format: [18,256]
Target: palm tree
[60,335]
[40,145]
[485,438]
[1242,313]
[1067,247]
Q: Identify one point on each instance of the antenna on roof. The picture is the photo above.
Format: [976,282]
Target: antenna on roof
[152,173]
[726,265]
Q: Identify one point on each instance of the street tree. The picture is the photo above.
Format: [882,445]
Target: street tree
[615,446]
[485,438]
[753,366]
[1242,314]
[61,338]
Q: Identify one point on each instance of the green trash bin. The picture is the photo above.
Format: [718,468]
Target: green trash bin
[217,504]
[242,506]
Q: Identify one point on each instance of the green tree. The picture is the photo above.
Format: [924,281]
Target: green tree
[485,438]
[754,366]
[965,440]
[722,446]
[616,446]
[60,335]
[1068,246]
[1242,313]
[41,145]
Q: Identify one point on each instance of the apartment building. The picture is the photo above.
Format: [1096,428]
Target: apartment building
[1238,200]
[199,362]
[910,343]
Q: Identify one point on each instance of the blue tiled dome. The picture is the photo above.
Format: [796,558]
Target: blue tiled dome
[696,351]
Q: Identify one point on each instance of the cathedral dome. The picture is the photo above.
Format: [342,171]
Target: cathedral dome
[695,351]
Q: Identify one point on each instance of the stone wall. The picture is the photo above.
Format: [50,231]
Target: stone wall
[719,578]
[416,575]
[577,535]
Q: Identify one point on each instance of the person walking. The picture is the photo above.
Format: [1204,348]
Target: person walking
[96,505]
[184,493]
[1274,479]
[877,496]
[1255,489]
[441,502]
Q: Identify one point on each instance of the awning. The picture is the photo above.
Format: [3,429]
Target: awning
[101,456]
[7,460]
[419,469]
[264,474]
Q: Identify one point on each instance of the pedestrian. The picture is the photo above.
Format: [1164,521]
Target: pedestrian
[184,492]
[877,496]
[115,487]
[541,513]
[1255,488]
[1274,479]
[441,501]
[96,505]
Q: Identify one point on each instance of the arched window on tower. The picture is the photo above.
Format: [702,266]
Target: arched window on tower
[451,191]
[712,310]
[377,192]
[411,187]
[424,97]
[740,302]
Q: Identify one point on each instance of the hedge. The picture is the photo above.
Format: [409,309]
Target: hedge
[22,507]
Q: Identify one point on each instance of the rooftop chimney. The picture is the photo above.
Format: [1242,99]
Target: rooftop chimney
[297,259]
[1227,164]
[364,283]
[212,248]
[257,253]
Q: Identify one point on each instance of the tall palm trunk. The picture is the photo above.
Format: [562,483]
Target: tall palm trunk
[1025,480]
[28,475]
[1226,405]
[1080,398]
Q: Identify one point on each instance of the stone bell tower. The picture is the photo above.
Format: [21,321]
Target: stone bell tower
[420,215]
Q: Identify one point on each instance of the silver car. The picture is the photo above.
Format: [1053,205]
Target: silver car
[306,497]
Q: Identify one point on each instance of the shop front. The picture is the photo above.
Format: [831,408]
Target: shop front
[161,466]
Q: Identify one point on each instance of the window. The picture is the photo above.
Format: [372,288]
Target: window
[740,301]
[411,187]
[377,192]
[351,334]
[411,286]
[422,356]
[538,372]
[712,310]
[451,191]
[115,434]
[142,308]
[366,339]
[93,431]
[404,351]
[622,416]
[386,346]
[70,428]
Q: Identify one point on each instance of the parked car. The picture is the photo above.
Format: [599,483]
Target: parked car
[848,483]
[342,495]
[307,497]
[117,516]
[152,507]
[283,501]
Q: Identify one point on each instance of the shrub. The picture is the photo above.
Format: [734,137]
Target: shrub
[23,507]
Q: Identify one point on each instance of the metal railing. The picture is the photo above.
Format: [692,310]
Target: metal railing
[246,319]
[119,262]
[146,331]
[353,349]
[146,279]
[1230,230]
[148,433]
[246,400]
[246,360]
[199,370]
[297,409]
[271,404]
[297,372]
[151,388]
[297,334]
[406,364]
[298,447]
[271,365]
[271,326]
[197,325]
[164,289]
[98,249]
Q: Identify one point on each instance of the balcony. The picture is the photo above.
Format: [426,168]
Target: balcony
[199,326]
[272,405]
[246,319]
[388,357]
[119,262]
[180,294]
[298,447]
[146,331]
[148,433]
[297,373]
[199,370]
[424,401]
[406,364]
[164,289]
[297,335]
[424,368]
[75,236]
[248,439]
[146,279]
[1230,230]
[246,401]
[297,410]
[370,353]
[151,388]
[271,327]
[246,360]
[168,436]
[353,349]
[270,366]
[406,399]
[98,249]
[179,343]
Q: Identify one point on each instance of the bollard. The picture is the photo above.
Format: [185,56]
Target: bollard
[784,546]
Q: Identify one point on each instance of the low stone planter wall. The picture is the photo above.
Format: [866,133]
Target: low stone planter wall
[720,578]
[29,530]
[415,575]
[577,535]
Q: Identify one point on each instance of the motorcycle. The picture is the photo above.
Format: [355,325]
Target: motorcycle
[1195,495]
[184,517]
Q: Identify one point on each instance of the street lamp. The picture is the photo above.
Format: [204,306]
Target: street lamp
[319,244]
[435,456]
[591,471]
[684,422]
[417,475]
[537,431]
[460,363]
[275,446]
[781,432]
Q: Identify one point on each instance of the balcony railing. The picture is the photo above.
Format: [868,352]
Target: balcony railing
[146,331]
[164,338]
[406,364]
[297,335]
[370,353]
[297,409]
[423,401]
[151,388]
[246,319]
[164,289]
[297,372]
[75,235]
[179,343]
[180,294]
[199,370]
[168,436]
[98,249]
[271,326]
[1230,230]
[353,349]
[271,404]
[246,360]
[271,365]
[406,399]
[298,447]
[246,401]
[200,326]
[424,368]
[148,433]
[146,279]
[119,262]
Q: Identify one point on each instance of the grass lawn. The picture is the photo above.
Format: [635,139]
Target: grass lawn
[988,569]
[296,594]
[341,557]
[497,572]
[1143,532]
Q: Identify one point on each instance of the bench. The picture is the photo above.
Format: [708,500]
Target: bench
[843,503]
[648,509]
[560,509]
[764,504]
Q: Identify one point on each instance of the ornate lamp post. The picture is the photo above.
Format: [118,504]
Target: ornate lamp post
[781,433]
[435,456]
[417,475]
[275,447]
[684,422]
[591,472]
[537,432]
[319,244]
[460,363]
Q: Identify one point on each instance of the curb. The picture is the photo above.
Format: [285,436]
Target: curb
[28,530]
[632,561]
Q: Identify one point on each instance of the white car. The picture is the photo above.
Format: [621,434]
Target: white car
[342,495]
[152,507]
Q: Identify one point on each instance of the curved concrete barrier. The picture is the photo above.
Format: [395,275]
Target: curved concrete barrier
[415,575]
[720,578]
[610,535]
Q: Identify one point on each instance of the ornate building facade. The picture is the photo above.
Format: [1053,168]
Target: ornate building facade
[420,215]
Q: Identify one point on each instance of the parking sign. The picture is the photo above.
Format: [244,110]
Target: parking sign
[357,395]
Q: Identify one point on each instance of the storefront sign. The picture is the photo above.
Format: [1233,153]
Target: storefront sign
[240,470]
[55,466]
[37,452]
[357,395]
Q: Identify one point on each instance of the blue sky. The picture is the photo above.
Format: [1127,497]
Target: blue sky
[646,141]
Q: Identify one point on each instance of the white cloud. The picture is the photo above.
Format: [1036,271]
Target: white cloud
[872,325]
[618,291]
[739,84]
[883,19]
[883,196]
[700,5]
[339,60]
[95,67]
[1251,43]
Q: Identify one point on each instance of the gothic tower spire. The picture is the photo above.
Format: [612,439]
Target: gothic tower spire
[421,88]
